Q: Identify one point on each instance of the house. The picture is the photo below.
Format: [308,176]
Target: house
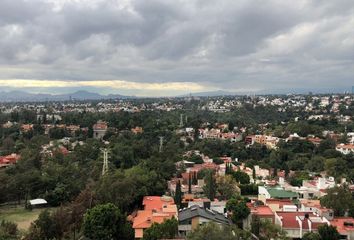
[345,227]
[296,224]
[218,206]
[269,141]
[316,187]
[315,207]
[137,130]
[264,213]
[156,210]
[72,129]
[265,192]
[250,140]
[192,217]
[99,129]
[314,140]
[278,204]
[9,159]
[26,127]
[345,148]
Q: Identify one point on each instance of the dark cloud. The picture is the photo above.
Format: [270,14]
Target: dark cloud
[220,44]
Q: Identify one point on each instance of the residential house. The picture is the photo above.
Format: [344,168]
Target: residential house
[296,224]
[268,141]
[137,130]
[345,148]
[99,129]
[264,213]
[345,227]
[156,210]
[192,217]
[9,159]
[26,127]
[265,192]
[216,205]
[314,206]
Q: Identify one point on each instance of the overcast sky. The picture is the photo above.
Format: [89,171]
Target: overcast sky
[163,47]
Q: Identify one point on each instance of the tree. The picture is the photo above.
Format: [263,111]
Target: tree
[239,210]
[178,194]
[241,177]
[268,230]
[335,167]
[43,228]
[106,222]
[8,230]
[328,232]
[213,231]
[166,230]
[189,183]
[339,199]
[311,236]
[210,186]
[226,187]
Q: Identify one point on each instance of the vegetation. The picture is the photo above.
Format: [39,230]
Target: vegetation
[166,230]
[212,231]
[106,222]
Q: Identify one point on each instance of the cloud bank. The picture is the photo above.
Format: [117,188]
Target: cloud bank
[163,47]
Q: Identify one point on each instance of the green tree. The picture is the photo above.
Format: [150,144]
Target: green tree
[166,230]
[43,228]
[106,222]
[226,187]
[210,186]
[265,229]
[239,210]
[213,231]
[328,232]
[241,177]
[8,230]
[189,183]
[339,199]
[178,194]
[311,236]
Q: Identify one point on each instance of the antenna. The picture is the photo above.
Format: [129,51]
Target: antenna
[161,144]
[105,161]
[181,120]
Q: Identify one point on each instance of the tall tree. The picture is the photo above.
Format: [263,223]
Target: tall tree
[210,186]
[189,183]
[178,194]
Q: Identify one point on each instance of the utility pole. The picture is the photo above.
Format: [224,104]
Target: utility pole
[181,120]
[161,144]
[105,161]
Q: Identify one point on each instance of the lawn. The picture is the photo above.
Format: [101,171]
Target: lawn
[19,215]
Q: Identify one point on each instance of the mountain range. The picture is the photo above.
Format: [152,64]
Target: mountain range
[22,96]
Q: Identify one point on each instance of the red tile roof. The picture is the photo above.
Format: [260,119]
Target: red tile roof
[156,202]
[343,224]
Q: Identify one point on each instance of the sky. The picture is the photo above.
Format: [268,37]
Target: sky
[173,47]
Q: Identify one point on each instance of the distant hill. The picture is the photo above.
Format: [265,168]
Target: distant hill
[210,94]
[22,96]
